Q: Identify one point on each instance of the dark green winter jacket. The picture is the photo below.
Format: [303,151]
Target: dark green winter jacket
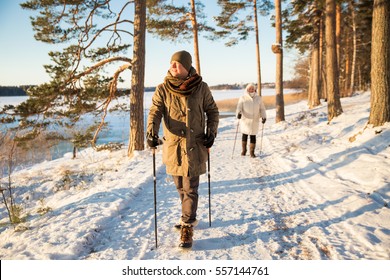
[188,109]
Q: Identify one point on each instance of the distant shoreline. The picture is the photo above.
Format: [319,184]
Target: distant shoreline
[229,105]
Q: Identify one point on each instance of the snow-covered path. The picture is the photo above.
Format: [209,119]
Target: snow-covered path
[272,212]
[318,191]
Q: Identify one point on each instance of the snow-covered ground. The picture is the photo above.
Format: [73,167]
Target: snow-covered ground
[318,192]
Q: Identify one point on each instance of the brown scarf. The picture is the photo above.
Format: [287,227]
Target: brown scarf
[183,87]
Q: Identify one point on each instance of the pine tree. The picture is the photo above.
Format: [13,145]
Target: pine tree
[136,141]
[380,64]
[279,63]
[303,21]
[96,35]
[235,25]
[178,22]
[332,72]
[363,21]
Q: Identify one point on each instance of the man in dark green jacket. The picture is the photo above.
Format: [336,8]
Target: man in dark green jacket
[190,122]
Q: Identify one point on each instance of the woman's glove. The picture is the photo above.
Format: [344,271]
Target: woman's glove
[263,120]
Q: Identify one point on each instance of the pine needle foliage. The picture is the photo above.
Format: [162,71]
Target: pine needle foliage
[96,37]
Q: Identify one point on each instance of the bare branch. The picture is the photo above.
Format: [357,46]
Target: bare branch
[113,89]
[106,28]
[100,64]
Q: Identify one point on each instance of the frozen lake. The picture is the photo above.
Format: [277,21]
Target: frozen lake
[119,122]
[218,95]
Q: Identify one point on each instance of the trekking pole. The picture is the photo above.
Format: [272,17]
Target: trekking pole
[155,195]
[235,138]
[261,140]
[208,175]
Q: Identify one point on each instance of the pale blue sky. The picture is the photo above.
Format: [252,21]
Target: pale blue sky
[22,57]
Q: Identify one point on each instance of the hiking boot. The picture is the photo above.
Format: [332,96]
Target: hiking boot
[186,237]
[244,143]
[252,148]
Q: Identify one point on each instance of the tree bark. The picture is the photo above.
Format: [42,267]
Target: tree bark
[322,80]
[136,141]
[338,32]
[314,88]
[257,48]
[315,64]
[354,42]
[196,41]
[332,73]
[380,64]
[347,64]
[279,64]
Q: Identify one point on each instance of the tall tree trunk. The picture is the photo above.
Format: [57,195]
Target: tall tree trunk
[136,141]
[354,40]
[332,73]
[310,89]
[314,89]
[338,32]
[279,64]
[196,41]
[257,48]
[347,63]
[315,66]
[380,64]
[343,79]
[322,80]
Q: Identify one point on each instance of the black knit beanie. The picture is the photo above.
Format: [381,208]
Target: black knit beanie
[184,58]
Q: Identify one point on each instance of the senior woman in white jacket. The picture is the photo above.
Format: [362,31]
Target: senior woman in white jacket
[250,109]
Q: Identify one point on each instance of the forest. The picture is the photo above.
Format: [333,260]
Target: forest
[13,91]
[344,48]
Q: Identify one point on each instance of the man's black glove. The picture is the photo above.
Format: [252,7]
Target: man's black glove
[209,140]
[263,120]
[152,140]
[239,116]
